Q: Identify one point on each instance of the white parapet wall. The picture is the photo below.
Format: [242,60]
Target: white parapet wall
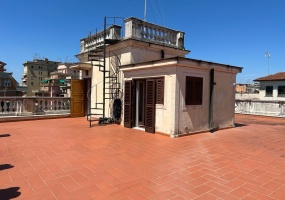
[258,107]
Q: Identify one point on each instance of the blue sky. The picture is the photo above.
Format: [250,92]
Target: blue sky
[234,32]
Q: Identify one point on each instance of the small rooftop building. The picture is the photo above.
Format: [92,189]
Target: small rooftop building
[142,79]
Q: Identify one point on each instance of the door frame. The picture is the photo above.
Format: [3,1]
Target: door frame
[140,92]
[130,104]
[77,98]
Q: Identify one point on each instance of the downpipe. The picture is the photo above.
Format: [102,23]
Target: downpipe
[212,83]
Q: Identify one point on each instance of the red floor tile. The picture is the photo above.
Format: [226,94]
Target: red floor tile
[65,159]
[240,192]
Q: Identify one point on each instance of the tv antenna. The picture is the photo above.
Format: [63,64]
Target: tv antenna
[267,55]
[145,10]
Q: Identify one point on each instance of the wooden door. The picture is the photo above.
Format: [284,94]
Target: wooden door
[150,106]
[77,98]
[128,117]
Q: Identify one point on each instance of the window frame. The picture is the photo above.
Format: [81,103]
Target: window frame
[267,94]
[283,93]
[193,90]
[7,83]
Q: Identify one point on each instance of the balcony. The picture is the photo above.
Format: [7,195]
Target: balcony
[139,30]
[23,108]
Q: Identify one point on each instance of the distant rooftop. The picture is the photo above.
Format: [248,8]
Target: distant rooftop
[273,77]
[2,65]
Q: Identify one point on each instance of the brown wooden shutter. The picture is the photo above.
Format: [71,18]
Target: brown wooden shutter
[128,104]
[193,90]
[160,91]
[198,85]
[189,90]
[150,106]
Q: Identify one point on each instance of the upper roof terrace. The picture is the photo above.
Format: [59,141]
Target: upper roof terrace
[135,29]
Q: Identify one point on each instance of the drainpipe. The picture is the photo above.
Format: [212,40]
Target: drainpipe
[212,83]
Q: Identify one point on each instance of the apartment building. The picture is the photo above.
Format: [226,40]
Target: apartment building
[8,85]
[58,83]
[35,72]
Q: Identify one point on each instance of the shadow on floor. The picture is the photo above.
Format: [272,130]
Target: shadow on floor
[5,135]
[239,125]
[9,193]
[5,166]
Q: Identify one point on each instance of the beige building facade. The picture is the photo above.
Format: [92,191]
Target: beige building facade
[35,72]
[161,90]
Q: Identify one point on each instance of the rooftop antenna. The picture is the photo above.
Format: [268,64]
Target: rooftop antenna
[267,55]
[145,10]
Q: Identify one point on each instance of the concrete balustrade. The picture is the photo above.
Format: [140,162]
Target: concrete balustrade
[142,30]
[259,107]
[25,106]
[135,29]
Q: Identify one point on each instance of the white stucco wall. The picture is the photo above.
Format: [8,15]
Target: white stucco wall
[165,113]
[247,96]
[195,118]
[191,118]
[224,100]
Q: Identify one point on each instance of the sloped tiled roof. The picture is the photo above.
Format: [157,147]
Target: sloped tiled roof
[273,77]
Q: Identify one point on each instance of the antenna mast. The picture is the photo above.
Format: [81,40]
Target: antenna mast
[267,55]
[145,10]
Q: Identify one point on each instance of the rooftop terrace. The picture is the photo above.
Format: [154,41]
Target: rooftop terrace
[64,159]
[136,29]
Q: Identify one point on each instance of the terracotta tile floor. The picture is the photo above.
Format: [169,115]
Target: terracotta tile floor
[65,159]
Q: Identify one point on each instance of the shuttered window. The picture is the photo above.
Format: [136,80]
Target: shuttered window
[128,105]
[194,90]
[150,106]
[159,90]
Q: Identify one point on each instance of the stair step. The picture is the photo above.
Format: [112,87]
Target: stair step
[94,59]
[103,70]
[97,52]
[111,41]
[100,47]
[94,53]
[112,88]
[93,120]
[94,114]
[96,108]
